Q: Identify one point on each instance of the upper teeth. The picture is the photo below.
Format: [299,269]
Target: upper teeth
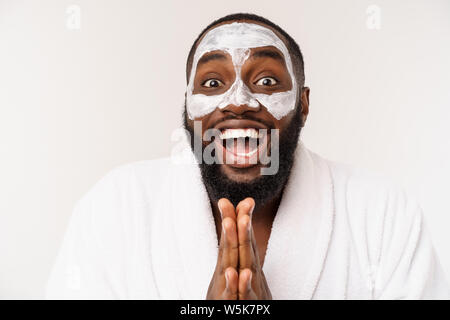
[239,133]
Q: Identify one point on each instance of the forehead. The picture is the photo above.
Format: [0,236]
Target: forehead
[239,35]
[259,52]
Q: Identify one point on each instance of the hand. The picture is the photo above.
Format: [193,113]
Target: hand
[238,273]
[252,282]
[224,283]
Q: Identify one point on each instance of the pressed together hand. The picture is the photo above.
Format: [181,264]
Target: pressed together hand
[238,274]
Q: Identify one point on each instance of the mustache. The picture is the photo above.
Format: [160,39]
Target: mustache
[242,117]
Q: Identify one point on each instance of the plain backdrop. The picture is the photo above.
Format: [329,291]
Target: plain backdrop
[86,86]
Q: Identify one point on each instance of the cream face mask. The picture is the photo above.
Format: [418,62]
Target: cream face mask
[237,39]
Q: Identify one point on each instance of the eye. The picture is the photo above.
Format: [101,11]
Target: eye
[266,81]
[212,83]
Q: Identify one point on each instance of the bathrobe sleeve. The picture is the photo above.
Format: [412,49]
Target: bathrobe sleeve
[103,255]
[409,267]
[79,271]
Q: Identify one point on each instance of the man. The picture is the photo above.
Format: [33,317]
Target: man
[260,216]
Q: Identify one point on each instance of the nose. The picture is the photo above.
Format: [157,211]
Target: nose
[240,99]
[240,109]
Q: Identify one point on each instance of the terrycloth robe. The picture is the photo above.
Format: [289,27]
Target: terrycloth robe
[146,231]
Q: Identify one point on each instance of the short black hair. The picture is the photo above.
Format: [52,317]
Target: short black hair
[292,46]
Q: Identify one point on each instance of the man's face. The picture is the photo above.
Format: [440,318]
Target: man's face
[263,72]
[239,83]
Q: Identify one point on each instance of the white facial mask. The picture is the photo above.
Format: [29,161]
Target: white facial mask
[237,39]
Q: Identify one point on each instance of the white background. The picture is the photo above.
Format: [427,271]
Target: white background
[76,103]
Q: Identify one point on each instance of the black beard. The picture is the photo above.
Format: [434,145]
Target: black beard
[263,188]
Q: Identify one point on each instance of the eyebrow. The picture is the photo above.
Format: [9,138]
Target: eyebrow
[214,56]
[268,54]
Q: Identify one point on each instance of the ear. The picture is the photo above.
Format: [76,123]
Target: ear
[305,104]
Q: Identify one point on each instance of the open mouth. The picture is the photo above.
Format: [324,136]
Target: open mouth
[241,142]
[242,147]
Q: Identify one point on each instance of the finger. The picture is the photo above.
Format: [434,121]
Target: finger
[250,202]
[245,290]
[228,251]
[245,234]
[231,283]
[228,248]
[226,209]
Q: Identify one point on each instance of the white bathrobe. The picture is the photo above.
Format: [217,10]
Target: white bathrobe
[146,231]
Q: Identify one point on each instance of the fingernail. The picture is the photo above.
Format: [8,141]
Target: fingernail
[249,284]
[220,210]
[226,279]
